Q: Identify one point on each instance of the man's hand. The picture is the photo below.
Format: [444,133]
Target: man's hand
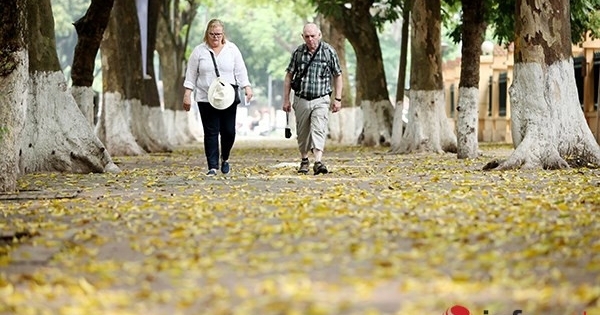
[287,107]
[336,106]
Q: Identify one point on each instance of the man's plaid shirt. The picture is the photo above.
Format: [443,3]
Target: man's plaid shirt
[317,81]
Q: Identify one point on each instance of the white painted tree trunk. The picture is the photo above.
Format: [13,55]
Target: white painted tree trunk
[370,127]
[84,97]
[13,107]
[548,126]
[194,124]
[115,129]
[157,127]
[466,126]
[427,128]
[176,123]
[375,125]
[346,125]
[57,137]
[148,127]
[398,125]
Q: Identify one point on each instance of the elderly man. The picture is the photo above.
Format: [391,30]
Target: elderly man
[313,67]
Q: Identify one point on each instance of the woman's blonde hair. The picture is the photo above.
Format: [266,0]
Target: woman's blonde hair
[211,24]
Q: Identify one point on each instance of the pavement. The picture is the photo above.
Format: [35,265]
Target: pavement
[379,234]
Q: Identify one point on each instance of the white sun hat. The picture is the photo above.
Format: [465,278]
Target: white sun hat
[220,94]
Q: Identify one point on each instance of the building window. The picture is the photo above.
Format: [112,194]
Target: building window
[452,105]
[490,98]
[596,78]
[578,67]
[502,94]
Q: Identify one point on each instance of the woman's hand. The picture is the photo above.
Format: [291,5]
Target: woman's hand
[187,102]
[187,105]
[248,93]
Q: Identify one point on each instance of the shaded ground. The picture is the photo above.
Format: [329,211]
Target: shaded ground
[381,234]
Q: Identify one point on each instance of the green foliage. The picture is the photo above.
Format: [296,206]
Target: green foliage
[381,11]
[585,16]
[65,13]
[387,11]
[451,20]
[502,20]
[451,29]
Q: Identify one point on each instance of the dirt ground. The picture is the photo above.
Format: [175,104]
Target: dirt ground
[379,234]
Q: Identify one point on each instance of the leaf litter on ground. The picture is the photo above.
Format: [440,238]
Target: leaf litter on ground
[380,234]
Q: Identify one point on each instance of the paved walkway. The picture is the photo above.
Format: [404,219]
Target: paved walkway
[380,234]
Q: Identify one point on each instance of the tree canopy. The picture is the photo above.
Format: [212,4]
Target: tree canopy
[585,16]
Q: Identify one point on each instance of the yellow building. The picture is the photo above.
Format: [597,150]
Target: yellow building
[496,74]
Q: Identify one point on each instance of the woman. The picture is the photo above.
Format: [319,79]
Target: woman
[199,75]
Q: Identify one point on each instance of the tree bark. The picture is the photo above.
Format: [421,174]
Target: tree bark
[171,44]
[371,87]
[151,125]
[345,126]
[427,128]
[13,89]
[123,84]
[468,99]
[398,125]
[548,126]
[57,137]
[89,29]
[121,80]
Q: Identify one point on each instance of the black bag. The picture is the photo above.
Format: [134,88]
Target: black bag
[288,129]
[296,84]
[237,98]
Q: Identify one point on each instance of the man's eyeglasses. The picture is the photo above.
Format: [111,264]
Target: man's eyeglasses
[215,34]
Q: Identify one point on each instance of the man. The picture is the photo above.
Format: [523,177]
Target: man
[312,100]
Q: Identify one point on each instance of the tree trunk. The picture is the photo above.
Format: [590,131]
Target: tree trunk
[171,45]
[398,125]
[427,128]
[57,137]
[121,80]
[371,92]
[468,98]
[345,126]
[89,35]
[13,89]
[548,126]
[151,125]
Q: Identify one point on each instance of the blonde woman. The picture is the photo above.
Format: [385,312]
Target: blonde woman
[200,73]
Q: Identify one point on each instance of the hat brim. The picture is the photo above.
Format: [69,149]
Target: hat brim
[220,94]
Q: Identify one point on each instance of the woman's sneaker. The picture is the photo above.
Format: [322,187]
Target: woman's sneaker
[319,168]
[211,172]
[225,167]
